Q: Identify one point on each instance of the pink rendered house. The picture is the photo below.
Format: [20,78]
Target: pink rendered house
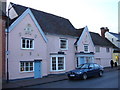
[103,49]
[41,44]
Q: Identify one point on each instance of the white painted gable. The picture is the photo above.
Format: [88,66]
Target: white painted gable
[20,18]
[85,39]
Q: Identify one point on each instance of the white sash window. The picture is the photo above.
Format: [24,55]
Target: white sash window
[27,43]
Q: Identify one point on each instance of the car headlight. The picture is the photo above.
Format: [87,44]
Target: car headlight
[78,72]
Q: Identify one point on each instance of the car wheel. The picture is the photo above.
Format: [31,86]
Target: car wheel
[84,76]
[101,73]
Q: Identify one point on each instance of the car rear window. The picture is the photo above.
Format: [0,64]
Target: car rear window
[91,66]
[96,65]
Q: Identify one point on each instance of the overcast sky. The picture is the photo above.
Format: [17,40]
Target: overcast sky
[92,13]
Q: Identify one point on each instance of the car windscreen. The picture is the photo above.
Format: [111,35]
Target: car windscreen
[83,66]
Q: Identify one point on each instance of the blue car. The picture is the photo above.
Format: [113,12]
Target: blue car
[86,70]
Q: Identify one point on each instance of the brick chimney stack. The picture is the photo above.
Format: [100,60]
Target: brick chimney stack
[103,31]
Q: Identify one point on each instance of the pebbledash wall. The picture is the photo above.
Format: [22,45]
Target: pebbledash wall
[18,54]
[103,57]
[53,46]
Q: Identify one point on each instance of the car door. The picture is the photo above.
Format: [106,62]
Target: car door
[91,70]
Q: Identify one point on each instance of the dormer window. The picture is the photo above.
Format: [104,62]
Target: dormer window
[112,40]
[86,47]
[63,44]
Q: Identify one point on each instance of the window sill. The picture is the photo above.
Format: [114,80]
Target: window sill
[27,49]
[63,49]
[86,52]
[57,70]
[26,71]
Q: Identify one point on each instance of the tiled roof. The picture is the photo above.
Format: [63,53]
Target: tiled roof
[49,23]
[100,41]
[53,24]
[79,32]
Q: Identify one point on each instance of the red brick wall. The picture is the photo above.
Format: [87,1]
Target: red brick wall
[103,31]
[2,47]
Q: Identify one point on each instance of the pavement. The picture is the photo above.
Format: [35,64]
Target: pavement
[44,80]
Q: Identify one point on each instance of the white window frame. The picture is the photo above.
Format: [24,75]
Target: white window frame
[25,66]
[56,56]
[87,47]
[97,47]
[26,44]
[66,44]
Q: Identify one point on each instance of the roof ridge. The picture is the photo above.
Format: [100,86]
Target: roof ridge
[80,28]
[40,11]
[94,33]
[49,23]
[114,33]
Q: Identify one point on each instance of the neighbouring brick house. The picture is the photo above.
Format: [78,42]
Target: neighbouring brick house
[41,44]
[2,44]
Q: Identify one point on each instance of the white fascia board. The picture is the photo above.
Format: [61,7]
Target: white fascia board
[107,33]
[80,38]
[28,11]
[83,33]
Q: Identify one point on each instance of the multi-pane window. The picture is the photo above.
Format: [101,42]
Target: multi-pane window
[107,50]
[97,49]
[53,63]
[88,59]
[86,47]
[64,44]
[26,66]
[27,43]
[58,63]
